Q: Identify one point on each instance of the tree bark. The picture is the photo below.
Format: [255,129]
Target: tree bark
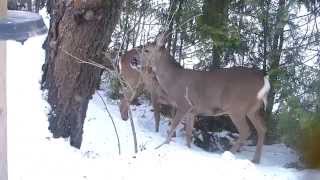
[82,29]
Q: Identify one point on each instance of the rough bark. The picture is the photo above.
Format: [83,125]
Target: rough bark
[83,29]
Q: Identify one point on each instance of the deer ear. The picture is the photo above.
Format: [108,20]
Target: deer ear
[162,39]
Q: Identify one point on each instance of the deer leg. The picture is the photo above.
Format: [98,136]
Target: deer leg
[156,107]
[243,129]
[175,122]
[256,119]
[124,108]
[157,119]
[189,128]
[173,112]
[174,133]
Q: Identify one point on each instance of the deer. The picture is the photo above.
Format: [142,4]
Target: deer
[137,82]
[237,92]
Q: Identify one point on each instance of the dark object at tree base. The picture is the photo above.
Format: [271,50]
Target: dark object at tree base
[297,165]
[214,133]
[214,142]
[166,110]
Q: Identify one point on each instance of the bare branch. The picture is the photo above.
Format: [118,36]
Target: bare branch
[110,116]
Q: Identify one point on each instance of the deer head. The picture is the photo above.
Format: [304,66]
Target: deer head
[152,51]
[139,77]
[128,70]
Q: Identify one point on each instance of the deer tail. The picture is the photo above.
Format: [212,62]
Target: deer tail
[264,91]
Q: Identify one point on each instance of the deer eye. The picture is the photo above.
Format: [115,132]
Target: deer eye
[146,50]
[134,61]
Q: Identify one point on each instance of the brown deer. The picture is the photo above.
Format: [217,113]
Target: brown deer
[137,82]
[237,92]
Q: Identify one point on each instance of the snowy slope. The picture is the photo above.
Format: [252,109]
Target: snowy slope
[34,155]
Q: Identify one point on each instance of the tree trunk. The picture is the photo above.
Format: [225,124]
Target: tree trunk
[265,24]
[275,57]
[83,29]
[182,37]
[29,5]
[12,5]
[39,4]
[177,31]
[174,44]
[172,10]
[216,59]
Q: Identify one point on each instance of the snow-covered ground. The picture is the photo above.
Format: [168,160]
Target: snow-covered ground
[34,155]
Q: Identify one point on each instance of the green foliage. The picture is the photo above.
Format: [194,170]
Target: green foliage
[289,126]
[107,3]
[114,86]
[310,144]
[300,129]
[214,24]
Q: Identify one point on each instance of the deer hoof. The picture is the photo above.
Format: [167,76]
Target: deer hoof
[174,134]
[234,149]
[255,161]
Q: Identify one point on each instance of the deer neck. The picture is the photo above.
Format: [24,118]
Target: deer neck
[167,72]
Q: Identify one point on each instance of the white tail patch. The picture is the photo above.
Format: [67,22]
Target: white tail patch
[263,93]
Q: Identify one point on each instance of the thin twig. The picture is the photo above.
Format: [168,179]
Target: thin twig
[86,62]
[114,125]
[92,63]
[165,142]
[182,24]
[170,19]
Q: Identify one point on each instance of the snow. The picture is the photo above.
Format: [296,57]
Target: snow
[34,155]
